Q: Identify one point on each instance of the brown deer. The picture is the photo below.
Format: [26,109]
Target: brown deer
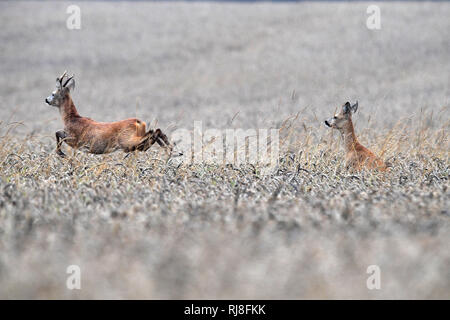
[98,137]
[357,156]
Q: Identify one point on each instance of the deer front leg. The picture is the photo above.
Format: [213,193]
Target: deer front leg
[60,136]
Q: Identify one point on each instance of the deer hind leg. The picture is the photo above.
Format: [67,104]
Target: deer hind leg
[151,137]
[60,136]
[139,143]
[162,140]
[140,128]
[148,140]
[163,137]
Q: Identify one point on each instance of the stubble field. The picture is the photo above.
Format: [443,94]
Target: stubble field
[149,227]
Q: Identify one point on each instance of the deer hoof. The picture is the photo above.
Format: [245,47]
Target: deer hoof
[61,154]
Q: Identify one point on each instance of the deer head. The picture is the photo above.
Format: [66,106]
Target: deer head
[63,88]
[343,117]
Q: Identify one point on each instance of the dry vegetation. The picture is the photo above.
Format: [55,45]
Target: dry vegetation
[151,227]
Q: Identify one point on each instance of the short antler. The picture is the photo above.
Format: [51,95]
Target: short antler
[60,79]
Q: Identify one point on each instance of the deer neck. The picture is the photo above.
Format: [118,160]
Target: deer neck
[349,136]
[68,110]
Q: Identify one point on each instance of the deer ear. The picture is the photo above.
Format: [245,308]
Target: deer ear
[355,107]
[71,84]
[346,108]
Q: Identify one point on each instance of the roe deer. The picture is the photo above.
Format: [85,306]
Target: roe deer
[357,156]
[98,137]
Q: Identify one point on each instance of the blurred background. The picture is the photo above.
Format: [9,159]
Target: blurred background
[179,62]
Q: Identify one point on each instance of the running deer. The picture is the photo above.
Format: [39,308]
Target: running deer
[98,137]
[357,156]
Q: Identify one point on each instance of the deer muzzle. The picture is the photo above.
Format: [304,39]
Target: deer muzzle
[49,99]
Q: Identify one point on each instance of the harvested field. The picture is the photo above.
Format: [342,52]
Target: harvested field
[149,227]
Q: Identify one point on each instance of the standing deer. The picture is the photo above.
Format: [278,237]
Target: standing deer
[357,156]
[98,137]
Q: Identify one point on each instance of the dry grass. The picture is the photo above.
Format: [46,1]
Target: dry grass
[145,227]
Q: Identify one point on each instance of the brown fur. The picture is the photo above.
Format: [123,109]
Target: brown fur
[100,137]
[357,156]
